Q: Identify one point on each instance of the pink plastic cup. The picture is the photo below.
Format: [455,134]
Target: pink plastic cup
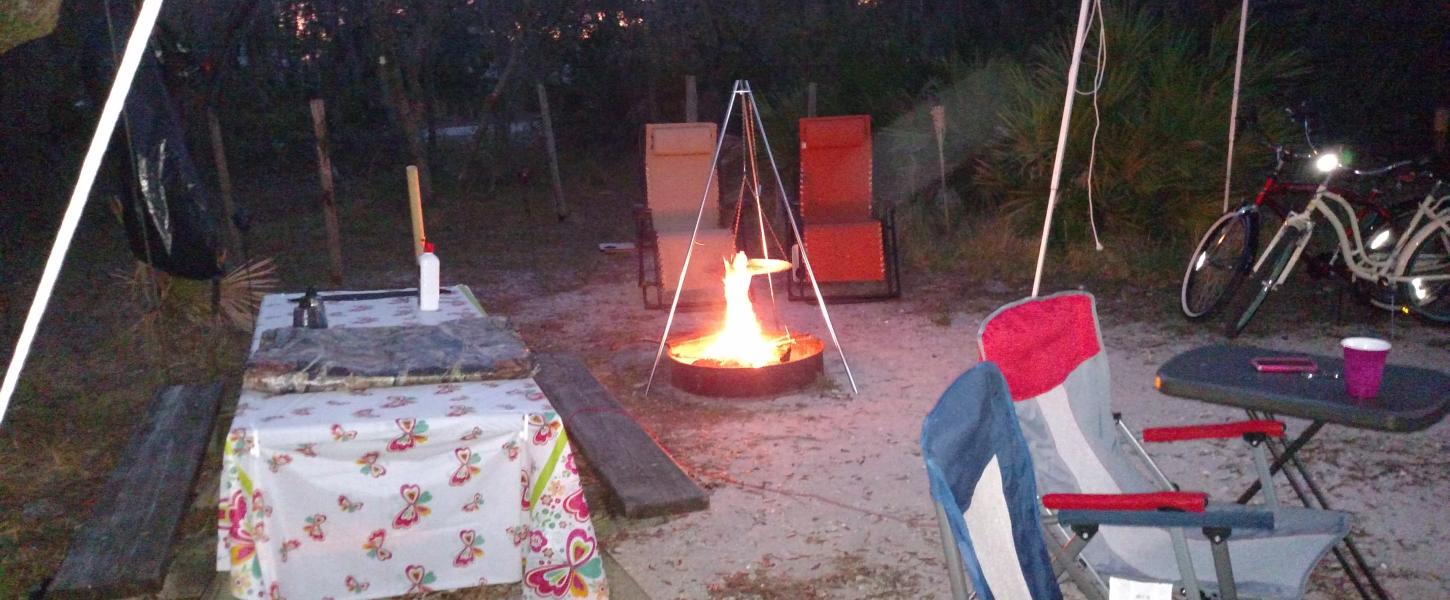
[1364,365]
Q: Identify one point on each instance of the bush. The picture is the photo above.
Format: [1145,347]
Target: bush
[1163,105]
[1162,141]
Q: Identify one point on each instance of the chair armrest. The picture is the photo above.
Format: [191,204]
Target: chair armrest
[1233,516]
[1214,431]
[1176,501]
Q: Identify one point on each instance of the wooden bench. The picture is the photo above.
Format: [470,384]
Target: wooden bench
[644,479]
[124,548]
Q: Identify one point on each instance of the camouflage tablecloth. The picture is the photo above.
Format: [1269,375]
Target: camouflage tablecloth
[396,307]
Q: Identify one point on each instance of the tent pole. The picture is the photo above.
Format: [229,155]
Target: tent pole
[1233,111]
[125,73]
[1082,17]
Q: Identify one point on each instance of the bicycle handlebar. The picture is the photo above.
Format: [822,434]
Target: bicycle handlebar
[1382,170]
[1303,115]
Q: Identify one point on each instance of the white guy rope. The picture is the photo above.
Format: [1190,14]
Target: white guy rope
[125,74]
[1102,67]
[690,250]
[1082,15]
[1233,111]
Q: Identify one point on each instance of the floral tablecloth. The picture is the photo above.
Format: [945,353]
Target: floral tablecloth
[403,490]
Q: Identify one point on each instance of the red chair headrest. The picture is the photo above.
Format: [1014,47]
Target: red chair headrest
[835,132]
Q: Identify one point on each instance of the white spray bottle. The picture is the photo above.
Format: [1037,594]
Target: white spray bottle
[427,278]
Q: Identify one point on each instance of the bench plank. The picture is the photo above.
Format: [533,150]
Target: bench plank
[123,549]
[643,477]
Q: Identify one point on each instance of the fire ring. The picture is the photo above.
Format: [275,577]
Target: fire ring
[801,362]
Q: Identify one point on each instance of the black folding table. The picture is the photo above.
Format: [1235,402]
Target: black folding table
[1409,399]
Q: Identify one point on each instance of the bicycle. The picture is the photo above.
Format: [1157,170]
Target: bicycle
[1426,261]
[1225,254]
[1416,265]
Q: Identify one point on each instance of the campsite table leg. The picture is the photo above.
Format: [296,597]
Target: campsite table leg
[1286,458]
[561,553]
[1281,458]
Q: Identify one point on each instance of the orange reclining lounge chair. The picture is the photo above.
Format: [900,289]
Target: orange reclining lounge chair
[849,247]
[677,165]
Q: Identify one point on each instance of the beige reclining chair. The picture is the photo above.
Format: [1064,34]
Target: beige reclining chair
[677,164]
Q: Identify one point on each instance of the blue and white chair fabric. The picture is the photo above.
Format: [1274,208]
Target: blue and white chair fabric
[986,495]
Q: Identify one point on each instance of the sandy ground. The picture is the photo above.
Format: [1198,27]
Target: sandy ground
[823,493]
[819,494]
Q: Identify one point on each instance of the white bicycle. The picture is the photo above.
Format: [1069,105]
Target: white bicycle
[1416,268]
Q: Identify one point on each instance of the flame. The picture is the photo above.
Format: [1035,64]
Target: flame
[741,340]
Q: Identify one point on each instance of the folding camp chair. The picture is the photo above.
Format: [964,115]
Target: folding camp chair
[1050,351]
[985,493]
[846,243]
[677,165]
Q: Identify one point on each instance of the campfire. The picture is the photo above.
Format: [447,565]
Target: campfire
[743,358]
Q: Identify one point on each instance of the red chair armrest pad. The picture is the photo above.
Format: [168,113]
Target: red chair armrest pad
[1181,501]
[1214,431]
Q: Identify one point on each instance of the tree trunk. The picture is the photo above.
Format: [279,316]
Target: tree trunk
[515,52]
[409,120]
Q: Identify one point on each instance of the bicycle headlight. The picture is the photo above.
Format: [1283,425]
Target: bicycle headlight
[1327,162]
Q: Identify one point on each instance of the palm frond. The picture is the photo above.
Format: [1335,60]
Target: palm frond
[242,291]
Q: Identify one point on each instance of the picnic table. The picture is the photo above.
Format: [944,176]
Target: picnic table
[385,491]
[1410,399]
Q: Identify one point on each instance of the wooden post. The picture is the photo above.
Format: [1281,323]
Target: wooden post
[939,126]
[811,99]
[329,203]
[1442,124]
[224,181]
[415,210]
[692,104]
[559,207]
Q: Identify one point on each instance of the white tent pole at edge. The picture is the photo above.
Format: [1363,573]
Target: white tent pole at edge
[1233,111]
[125,73]
[1082,16]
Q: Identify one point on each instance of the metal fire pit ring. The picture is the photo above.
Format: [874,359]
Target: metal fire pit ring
[802,368]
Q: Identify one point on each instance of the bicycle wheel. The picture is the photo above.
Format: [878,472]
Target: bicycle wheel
[1428,254]
[1380,237]
[1218,265]
[1261,282]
